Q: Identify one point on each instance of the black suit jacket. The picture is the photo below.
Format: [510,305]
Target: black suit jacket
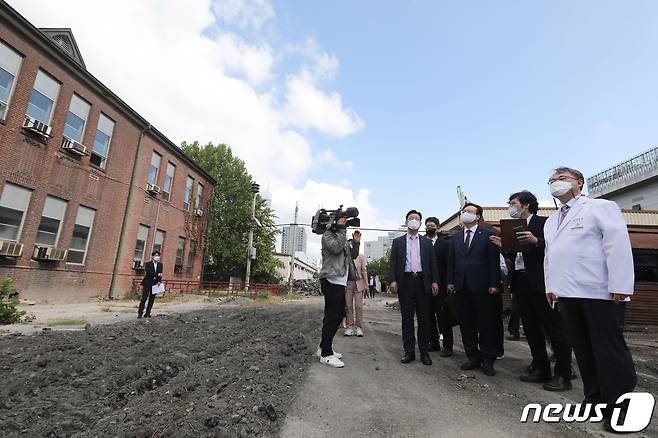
[479,266]
[152,275]
[427,261]
[533,257]
[442,251]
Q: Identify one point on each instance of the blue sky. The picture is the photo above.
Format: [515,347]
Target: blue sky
[486,95]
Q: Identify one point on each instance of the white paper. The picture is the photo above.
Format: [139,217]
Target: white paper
[158,289]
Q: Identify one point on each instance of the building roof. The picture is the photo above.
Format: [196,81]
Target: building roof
[63,37]
[635,170]
[58,53]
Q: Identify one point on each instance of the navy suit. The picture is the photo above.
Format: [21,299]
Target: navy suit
[414,293]
[441,317]
[152,276]
[473,271]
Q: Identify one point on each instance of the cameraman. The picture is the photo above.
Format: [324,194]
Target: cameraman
[337,268]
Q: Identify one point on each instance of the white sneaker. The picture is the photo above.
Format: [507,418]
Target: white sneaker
[349,332]
[359,332]
[318,353]
[332,361]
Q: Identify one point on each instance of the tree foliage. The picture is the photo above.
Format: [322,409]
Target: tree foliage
[230,213]
[380,267]
[9,314]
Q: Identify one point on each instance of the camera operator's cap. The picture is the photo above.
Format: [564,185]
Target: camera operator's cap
[414,212]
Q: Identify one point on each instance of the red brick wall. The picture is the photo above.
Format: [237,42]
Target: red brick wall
[48,170]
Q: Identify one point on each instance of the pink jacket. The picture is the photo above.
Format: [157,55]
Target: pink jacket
[362,282]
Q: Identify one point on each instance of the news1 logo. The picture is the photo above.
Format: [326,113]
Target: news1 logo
[638,413]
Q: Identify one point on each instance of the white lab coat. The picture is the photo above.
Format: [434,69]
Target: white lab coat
[589,255]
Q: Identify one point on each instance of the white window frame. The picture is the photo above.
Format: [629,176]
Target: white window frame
[85,118]
[198,195]
[7,68]
[155,237]
[24,215]
[59,226]
[91,230]
[146,239]
[102,120]
[164,183]
[54,99]
[157,172]
[189,191]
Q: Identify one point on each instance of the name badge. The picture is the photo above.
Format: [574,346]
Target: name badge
[577,223]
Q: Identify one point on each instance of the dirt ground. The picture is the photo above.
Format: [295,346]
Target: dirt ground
[214,372]
[249,371]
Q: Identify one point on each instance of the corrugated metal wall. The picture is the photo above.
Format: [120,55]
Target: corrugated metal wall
[643,308]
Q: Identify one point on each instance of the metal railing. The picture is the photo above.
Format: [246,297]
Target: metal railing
[633,167]
[212,288]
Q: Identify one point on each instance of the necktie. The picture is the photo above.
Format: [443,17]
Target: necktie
[467,243]
[563,213]
[414,254]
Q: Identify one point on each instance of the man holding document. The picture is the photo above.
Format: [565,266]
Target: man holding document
[152,284]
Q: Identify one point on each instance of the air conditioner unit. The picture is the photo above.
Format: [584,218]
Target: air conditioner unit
[11,249]
[153,189]
[138,265]
[36,127]
[73,146]
[198,212]
[48,253]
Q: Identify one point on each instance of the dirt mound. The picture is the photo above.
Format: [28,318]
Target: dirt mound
[226,372]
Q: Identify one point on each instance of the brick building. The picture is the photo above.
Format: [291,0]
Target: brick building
[88,188]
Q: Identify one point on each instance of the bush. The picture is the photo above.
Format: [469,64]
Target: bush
[9,314]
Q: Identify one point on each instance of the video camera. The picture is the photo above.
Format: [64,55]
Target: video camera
[324,220]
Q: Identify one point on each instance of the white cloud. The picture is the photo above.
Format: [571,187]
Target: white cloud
[327,157]
[247,14]
[195,84]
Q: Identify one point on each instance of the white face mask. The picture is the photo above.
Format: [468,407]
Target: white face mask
[413,224]
[514,212]
[156,258]
[559,188]
[468,218]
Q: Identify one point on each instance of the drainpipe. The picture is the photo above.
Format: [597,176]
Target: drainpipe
[115,270]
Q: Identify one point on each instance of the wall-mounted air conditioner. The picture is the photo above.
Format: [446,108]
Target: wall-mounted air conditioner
[48,253]
[73,146]
[11,249]
[34,126]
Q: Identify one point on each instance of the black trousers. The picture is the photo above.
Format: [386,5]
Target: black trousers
[500,328]
[540,322]
[478,316]
[334,312]
[414,299]
[440,322]
[146,295]
[514,324]
[595,329]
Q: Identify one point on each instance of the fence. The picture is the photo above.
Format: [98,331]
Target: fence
[209,288]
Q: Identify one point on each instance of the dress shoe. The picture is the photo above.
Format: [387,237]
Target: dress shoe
[139,316]
[558,383]
[470,365]
[147,316]
[445,353]
[408,358]
[426,359]
[488,369]
[513,337]
[536,376]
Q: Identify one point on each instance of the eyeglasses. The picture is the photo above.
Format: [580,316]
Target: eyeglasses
[560,178]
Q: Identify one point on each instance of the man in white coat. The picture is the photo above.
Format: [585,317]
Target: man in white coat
[589,272]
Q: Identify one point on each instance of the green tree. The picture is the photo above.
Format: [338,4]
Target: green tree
[229,218]
[380,267]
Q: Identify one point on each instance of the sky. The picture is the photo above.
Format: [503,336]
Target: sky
[382,105]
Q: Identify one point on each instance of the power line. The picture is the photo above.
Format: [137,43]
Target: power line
[354,228]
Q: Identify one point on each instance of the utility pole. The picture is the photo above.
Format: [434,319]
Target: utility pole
[251,251]
[293,231]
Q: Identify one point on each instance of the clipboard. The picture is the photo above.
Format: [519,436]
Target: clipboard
[158,289]
[508,230]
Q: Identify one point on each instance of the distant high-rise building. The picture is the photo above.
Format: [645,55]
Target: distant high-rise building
[376,249]
[299,243]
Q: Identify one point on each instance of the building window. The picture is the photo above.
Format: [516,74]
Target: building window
[646,266]
[178,266]
[158,241]
[191,255]
[51,221]
[636,207]
[43,98]
[155,166]
[189,185]
[168,181]
[101,147]
[199,194]
[84,222]
[13,203]
[76,119]
[10,63]
[142,235]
